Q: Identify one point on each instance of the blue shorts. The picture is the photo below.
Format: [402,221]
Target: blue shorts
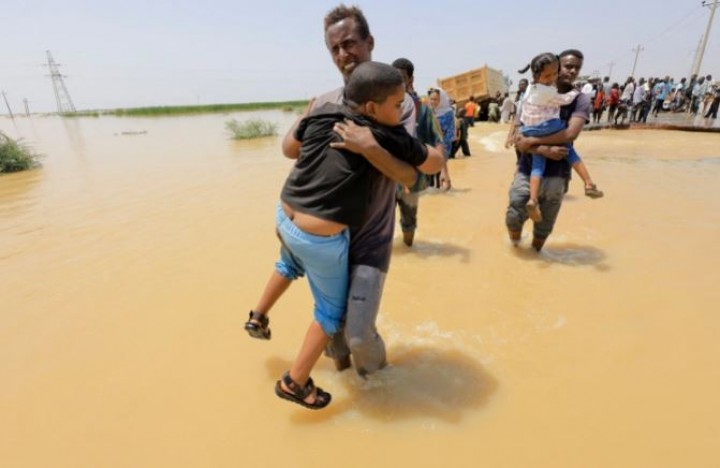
[544,129]
[325,261]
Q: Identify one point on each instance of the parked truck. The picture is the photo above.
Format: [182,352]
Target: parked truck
[480,83]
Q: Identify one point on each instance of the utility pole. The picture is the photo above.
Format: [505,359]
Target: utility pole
[714,5]
[611,65]
[697,55]
[62,96]
[637,51]
[7,104]
[27,108]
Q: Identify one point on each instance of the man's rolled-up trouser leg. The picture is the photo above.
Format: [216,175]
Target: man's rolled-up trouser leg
[552,191]
[359,336]
[519,194]
[365,343]
[408,203]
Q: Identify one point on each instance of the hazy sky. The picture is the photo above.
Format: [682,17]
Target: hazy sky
[160,52]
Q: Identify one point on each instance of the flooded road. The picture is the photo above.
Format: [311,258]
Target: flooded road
[128,264]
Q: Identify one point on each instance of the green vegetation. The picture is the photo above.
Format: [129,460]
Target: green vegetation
[159,111]
[14,156]
[88,113]
[210,108]
[253,128]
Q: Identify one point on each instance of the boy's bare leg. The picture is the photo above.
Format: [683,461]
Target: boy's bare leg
[312,348]
[257,324]
[275,287]
[591,189]
[533,207]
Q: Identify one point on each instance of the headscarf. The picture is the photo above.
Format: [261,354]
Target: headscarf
[446,118]
[444,107]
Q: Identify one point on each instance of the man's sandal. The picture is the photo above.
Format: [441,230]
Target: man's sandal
[593,192]
[257,326]
[298,395]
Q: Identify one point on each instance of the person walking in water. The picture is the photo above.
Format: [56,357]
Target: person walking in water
[348,39]
[557,169]
[540,116]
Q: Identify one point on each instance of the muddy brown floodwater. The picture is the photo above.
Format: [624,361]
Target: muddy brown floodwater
[128,264]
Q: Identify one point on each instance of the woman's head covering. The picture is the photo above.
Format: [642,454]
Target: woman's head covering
[444,107]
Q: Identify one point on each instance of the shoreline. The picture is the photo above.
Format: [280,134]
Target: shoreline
[677,122]
[159,111]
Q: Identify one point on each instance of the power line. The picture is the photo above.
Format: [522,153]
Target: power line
[696,70]
[694,12]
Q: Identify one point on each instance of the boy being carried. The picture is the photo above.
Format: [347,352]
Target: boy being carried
[325,194]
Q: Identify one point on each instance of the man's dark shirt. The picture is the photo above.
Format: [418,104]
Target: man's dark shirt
[580,107]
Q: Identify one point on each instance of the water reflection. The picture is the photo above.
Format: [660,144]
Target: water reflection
[430,248]
[565,254]
[73,131]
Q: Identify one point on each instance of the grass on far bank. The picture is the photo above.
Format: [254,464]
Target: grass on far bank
[15,156]
[253,128]
[157,111]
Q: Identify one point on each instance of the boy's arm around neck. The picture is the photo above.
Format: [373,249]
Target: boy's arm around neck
[360,140]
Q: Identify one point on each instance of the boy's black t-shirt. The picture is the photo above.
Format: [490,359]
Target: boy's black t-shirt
[336,185]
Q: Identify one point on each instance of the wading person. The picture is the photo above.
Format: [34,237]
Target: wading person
[348,39]
[540,116]
[428,132]
[557,169]
[324,195]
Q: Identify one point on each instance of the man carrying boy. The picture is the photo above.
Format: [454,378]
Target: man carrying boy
[325,194]
[348,38]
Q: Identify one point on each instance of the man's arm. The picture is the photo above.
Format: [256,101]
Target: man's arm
[512,134]
[291,146]
[514,128]
[528,144]
[359,139]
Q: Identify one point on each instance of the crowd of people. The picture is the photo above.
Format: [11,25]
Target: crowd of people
[498,108]
[636,100]
[373,144]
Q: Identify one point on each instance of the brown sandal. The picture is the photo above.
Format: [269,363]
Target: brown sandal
[593,192]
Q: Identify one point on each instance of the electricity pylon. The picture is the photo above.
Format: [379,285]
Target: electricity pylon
[62,96]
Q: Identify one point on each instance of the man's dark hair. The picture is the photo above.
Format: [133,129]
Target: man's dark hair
[405,64]
[573,52]
[342,12]
[371,81]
